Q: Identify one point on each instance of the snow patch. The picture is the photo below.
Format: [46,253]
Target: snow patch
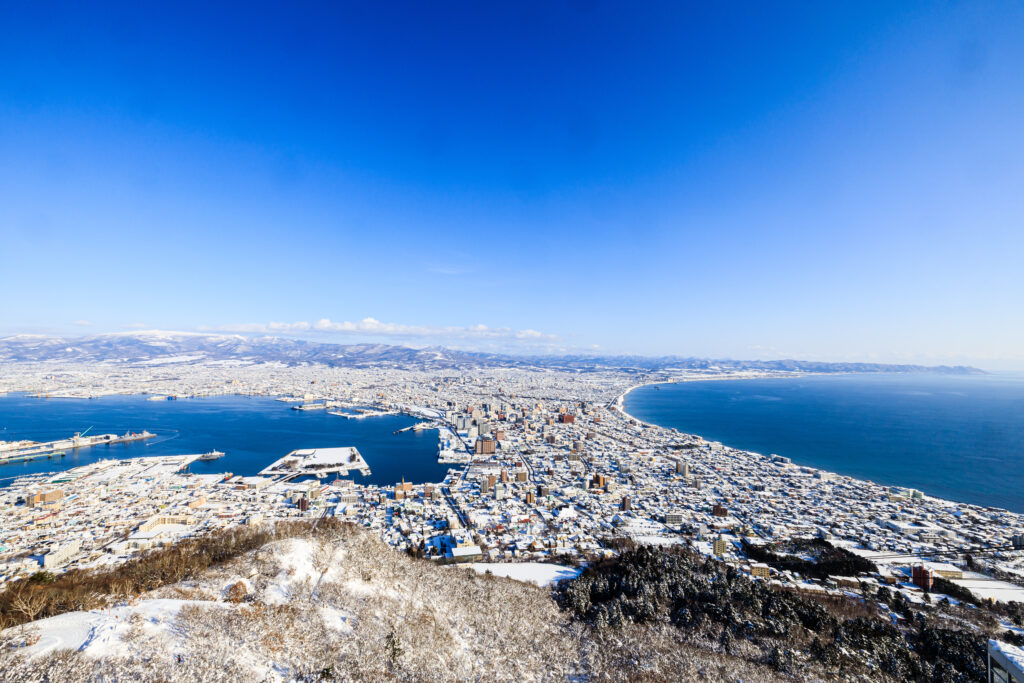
[538,573]
[101,633]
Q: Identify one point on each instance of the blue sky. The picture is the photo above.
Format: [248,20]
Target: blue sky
[835,181]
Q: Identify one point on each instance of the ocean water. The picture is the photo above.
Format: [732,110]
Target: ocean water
[960,438]
[252,432]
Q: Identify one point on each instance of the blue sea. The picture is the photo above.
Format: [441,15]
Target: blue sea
[252,432]
[955,437]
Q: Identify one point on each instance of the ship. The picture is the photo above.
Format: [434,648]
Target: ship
[211,455]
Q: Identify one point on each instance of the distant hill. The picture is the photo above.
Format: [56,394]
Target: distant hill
[689,363]
[158,348]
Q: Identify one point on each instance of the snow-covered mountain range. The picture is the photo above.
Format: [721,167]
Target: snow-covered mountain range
[159,347]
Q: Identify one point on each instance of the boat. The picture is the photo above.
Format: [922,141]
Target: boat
[211,455]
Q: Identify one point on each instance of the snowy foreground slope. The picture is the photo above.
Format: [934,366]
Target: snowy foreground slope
[336,606]
[110,632]
[298,608]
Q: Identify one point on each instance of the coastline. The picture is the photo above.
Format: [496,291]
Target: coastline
[620,400]
[889,480]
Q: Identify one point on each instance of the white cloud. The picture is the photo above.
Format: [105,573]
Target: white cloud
[374,327]
[263,328]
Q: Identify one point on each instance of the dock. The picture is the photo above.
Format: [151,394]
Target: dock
[31,451]
[26,458]
[318,462]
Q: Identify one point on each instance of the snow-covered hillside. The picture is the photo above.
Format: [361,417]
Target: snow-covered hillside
[341,602]
[340,605]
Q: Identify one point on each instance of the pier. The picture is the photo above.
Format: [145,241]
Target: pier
[360,413]
[418,427]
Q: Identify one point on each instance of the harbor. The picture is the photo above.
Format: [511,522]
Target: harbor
[253,431]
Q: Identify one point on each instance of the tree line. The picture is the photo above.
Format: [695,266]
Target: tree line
[45,595]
